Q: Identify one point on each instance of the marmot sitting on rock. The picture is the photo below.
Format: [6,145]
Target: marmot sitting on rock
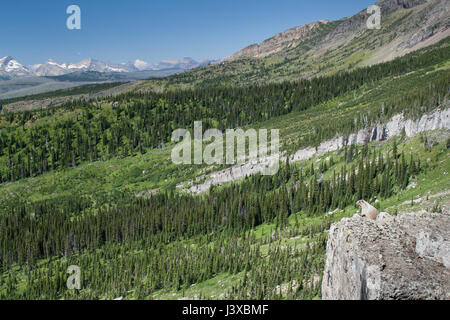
[367,210]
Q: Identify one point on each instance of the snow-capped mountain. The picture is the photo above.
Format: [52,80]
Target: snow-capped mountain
[141,65]
[183,64]
[11,67]
[53,68]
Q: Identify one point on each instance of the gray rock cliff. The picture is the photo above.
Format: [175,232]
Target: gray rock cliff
[395,257]
[438,119]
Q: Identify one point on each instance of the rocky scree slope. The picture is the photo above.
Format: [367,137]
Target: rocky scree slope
[408,23]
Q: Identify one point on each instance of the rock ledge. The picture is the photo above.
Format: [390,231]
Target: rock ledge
[395,257]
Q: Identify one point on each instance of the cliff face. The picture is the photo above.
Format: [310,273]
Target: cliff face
[278,42]
[357,23]
[425,19]
[438,119]
[401,257]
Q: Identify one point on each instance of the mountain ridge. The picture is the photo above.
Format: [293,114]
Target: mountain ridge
[11,67]
[349,25]
[320,49]
[278,42]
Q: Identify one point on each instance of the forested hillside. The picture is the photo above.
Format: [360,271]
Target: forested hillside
[35,142]
[90,183]
[323,48]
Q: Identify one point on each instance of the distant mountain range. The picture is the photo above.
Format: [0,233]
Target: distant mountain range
[318,48]
[11,68]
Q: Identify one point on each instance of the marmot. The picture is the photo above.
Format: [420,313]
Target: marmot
[367,209]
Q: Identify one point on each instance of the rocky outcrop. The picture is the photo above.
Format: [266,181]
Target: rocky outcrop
[435,19]
[423,22]
[405,4]
[438,119]
[278,42]
[394,257]
[232,174]
[356,24]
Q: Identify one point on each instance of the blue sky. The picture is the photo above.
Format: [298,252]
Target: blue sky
[151,30]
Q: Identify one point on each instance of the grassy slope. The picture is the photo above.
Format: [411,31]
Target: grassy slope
[431,182]
[315,56]
[154,170]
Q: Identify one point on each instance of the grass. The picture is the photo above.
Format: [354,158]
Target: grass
[139,175]
[153,171]
[211,289]
[431,182]
[141,172]
[315,55]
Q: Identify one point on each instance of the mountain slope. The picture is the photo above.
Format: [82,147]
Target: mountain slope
[53,68]
[280,41]
[19,81]
[323,47]
[11,67]
[92,183]
[183,64]
[256,233]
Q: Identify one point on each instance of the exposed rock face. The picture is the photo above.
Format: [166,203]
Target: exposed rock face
[435,17]
[406,4]
[428,20]
[234,173]
[278,42]
[351,26]
[401,257]
[433,246]
[438,119]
